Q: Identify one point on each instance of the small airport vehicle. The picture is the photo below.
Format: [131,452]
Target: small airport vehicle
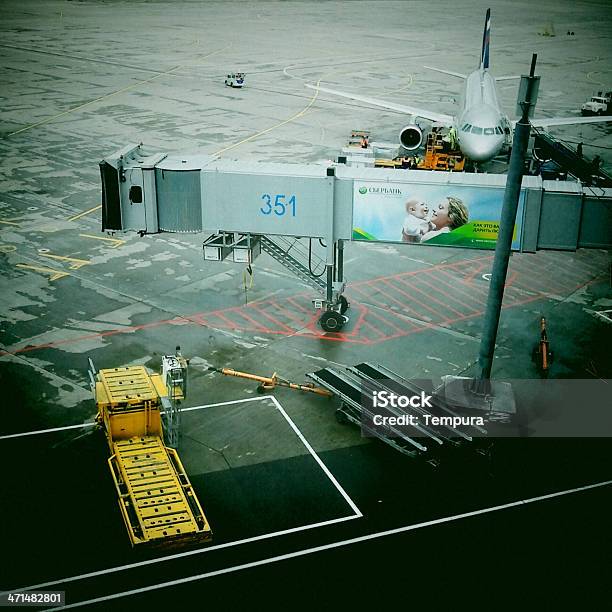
[235,79]
[601,104]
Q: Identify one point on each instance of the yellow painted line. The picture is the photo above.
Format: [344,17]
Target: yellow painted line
[9,223]
[394,91]
[406,86]
[110,95]
[75,263]
[262,132]
[197,42]
[53,274]
[118,242]
[85,213]
[7,248]
[80,106]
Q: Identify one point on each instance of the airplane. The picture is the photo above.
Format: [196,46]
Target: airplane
[481,126]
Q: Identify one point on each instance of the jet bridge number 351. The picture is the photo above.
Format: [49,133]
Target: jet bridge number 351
[278,204]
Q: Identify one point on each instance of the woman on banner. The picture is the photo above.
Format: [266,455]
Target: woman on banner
[449,214]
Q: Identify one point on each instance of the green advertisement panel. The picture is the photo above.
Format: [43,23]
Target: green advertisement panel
[447,215]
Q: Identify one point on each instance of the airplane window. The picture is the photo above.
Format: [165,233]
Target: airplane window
[498,130]
[489,131]
[476,130]
[466,127]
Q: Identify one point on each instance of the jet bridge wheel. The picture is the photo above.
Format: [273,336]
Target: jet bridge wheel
[331,321]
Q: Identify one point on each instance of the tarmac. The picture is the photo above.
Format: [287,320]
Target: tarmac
[299,503]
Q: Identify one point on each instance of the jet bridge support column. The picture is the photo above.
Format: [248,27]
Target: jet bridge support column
[340,261]
[335,305]
[527,100]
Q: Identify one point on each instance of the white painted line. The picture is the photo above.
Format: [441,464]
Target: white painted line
[248,399]
[199,551]
[189,553]
[342,543]
[305,442]
[44,431]
[344,494]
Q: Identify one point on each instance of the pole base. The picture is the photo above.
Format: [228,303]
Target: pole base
[493,397]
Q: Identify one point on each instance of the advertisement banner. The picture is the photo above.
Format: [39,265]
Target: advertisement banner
[445,215]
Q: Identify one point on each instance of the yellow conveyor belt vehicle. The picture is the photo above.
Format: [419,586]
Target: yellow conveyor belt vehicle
[157,501]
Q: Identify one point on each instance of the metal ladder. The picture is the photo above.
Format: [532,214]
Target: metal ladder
[280,249]
[175,386]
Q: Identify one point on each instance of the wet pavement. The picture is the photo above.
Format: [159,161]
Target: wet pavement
[81,80]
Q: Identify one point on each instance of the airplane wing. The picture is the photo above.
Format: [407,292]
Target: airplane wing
[409,110]
[455,74]
[464,76]
[546,121]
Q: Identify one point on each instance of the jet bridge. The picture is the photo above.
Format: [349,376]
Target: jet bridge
[247,207]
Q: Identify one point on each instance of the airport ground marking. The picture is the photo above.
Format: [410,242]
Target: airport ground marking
[311,450]
[117,242]
[86,212]
[110,95]
[356,512]
[273,127]
[99,99]
[75,263]
[9,222]
[53,274]
[333,545]
[37,432]
[207,318]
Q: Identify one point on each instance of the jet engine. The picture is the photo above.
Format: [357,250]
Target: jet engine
[411,137]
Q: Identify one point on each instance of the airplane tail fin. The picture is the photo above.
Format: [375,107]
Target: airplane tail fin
[486,39]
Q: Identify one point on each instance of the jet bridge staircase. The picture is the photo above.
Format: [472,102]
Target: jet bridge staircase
[313,270]
[301,261]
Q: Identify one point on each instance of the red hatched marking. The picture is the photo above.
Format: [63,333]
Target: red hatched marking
[404,305]
[411,298]
[428,297]
[374,325]
[272,319]
[376,315]
[225,322]
[437,288]
[468,292]
[292,301]
[298,322]
[242,312]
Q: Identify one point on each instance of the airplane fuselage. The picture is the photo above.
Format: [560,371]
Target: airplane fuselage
[480,123]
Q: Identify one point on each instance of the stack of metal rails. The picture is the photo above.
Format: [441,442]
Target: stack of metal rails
[547,149]
[355,385]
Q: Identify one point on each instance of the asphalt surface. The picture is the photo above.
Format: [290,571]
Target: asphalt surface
[83,79]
